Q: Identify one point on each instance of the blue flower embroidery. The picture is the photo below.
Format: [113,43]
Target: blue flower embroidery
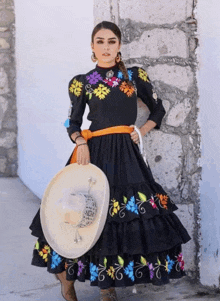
[132,206]
[170,263]
[93,271]
[130,74]
[56,260]
[129,270]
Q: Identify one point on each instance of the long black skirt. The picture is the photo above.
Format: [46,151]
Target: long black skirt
[142,237]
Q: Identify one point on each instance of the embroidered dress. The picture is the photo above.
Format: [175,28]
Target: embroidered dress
[141,240]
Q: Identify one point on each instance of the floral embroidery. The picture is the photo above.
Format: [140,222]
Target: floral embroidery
[130,75]
[89,91]
[163,200]
[45,251]
[80,267]
[143,75]
[76,87]
[111,272]
[101,91]
[170,264]
[56,260]
[131,206]
[152,202]
[69,265]
[181,261]
[94,78]
[112,82]
[128,90]
[129,270]
[115,207]
[151,269]
[143,263]
[93,271]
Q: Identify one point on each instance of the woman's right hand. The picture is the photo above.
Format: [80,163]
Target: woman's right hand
[83,154]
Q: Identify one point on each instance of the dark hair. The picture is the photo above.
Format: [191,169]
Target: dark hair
[115,29]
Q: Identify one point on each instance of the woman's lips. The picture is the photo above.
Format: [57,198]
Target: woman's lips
[106,54]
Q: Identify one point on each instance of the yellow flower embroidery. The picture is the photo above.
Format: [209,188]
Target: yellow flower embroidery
[44,252]
[111,272]
[115,207]
[128,90]
[76,87]
[143,75]
[101,91]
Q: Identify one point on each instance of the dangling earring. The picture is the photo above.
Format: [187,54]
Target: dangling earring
[118,57]
[93,57]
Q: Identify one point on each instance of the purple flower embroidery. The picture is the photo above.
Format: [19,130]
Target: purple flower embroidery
[94,78]
[80,267]
[151,271]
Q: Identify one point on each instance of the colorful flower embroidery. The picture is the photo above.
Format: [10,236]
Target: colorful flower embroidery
[112,82]
[56,260]
[130,75]
[132,206]
[93,271]
[151,269]
[163,200]
[129,270]
[128,90]
[94,78]
[101,91]
[45,251]
[115,207]
[80,267]
[89,91]
[76,87]
[181,261]
[170,263]
[111,272]
[143,75]
[153,203]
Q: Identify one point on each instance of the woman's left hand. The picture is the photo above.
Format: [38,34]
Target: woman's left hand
[134,135]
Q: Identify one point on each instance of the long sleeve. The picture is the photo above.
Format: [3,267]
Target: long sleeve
[146,92]
[78,104]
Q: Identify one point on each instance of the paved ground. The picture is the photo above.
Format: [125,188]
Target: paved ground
[21,281]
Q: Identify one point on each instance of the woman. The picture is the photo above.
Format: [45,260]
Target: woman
[142,237]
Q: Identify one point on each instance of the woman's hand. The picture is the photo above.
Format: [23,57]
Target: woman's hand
[83,154]
[134,135]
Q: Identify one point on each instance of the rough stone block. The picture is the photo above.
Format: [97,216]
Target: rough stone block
[10,123]
[155,12]
[179,113]
[3,108]
[164,153]
[186,216]
[4,59]
[4,44]
[12,154]
[101,11]
[6,17]
[180,77]
[3,164]
[158,42]
[166,105]
[8,139]
[3,29]
[3,81]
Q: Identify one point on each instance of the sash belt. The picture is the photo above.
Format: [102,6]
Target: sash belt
[87,134]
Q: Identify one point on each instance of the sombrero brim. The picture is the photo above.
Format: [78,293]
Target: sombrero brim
[60,235]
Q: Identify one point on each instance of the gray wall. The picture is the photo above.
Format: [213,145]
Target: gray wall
[161,37]
[8,119]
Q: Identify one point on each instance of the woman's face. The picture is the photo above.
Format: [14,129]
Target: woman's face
[106,46]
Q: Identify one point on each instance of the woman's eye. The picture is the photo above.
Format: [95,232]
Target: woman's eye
[112,42]
[100,42]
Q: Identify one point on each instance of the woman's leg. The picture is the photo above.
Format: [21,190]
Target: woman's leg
[67,287]
[108,294]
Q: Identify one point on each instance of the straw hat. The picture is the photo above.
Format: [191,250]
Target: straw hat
[74,209]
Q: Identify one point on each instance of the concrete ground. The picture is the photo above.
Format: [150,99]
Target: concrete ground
[19,280]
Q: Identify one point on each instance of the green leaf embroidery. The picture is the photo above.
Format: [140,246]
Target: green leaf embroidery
[143,260]
[142,196]
[37,245]
[105,262]
[158,261]
[125,199]
[90,96]
[121,261]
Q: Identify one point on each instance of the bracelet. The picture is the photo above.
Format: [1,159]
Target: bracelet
[81,144]
[77,137]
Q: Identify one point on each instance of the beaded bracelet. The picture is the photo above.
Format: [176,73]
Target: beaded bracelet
[81,144]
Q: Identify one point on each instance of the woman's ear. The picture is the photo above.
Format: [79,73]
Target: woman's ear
[92,45]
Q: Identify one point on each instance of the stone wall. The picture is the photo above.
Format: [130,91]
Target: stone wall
[160,36]
[8,121]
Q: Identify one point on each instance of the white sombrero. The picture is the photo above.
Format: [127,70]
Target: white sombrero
[74,209]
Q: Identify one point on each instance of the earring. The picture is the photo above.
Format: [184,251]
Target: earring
[118,57]
[93,57]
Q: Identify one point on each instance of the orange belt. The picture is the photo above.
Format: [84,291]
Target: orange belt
[87,134]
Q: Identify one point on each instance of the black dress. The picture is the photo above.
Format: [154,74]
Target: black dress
[142,237]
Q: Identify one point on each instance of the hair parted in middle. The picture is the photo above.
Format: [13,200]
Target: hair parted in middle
[115,29]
